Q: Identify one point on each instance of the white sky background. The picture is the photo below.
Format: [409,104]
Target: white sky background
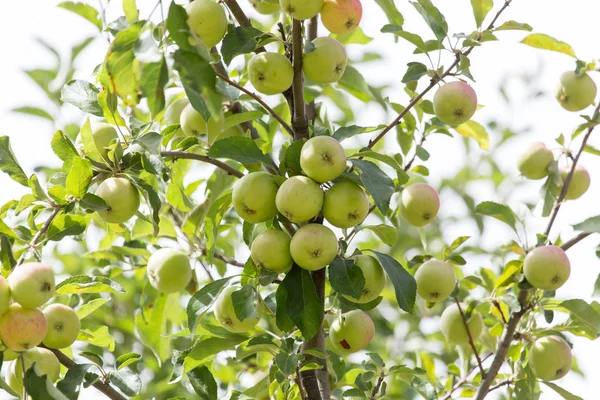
[574,22]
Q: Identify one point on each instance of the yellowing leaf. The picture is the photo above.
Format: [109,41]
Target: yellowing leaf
[474,130]
[542,41]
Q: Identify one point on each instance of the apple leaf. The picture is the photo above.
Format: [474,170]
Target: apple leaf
[204,383]
[238,148]
[589,225]
[83,10]
[498,211]
[391,12]
[291,159]
[64,149]
[70,385]
[67,225]
[202,300]
[79,177]
[378,184]
[404,283]
[239,40]
[244,303]
[9,163]
[475,131]
[82,95]
[153,78]
[346,278]
[346,132]
[118,65]
[514,26]
[480,9]
[78,284]
[387,234]
[39,386]
[127,381]
[565,394]
[433,17]
[205,349]
[545,42]
[127,359]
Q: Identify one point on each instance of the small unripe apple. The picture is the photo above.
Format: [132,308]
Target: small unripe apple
[226,316]
[419,204]
[533,163]
[436,280]
[326,62]
[352,332]
[122,198]
[323,158]
[374,278]
[44,359]
[265,7]
[193,123]
[301,9]
[547,267]
[32,284]
[271,250]
[4,295]
[455,103]
[22,328]
[341,16]
[208,21]
[299,198]
[270,73]
[63,326]
[453,326]
[173,112]
[103,134]
[580,182]
[254,197]
[314,247]
[346,205]
[550,358]
[576,93]
[169,270]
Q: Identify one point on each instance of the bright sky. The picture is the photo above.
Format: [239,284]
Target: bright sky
[573,22]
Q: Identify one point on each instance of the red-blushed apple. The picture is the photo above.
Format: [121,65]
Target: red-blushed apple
[32,284]
[580,182]
[323,159]
[346,205]
[271,250]
[299,199]
[436,280]
[341,16]
[352,331]
[419,204]
[254,197]
[63,326]
[547,267]
[326,61]
[208,21]
[301,9]
[22,328]
[4,295]
[45,361]
[455,103]
[122,198]
[453,326]
[314,247]
[174,110]
[576,92]
[226,316]
[550,358]
[169,270]
[374,278]
[533,163]
[270,73]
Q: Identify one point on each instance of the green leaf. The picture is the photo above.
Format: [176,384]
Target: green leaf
[391,12]
[83,10]
[130,10]
[127,359]
[499,211]
[480,9]
[242,117]
[36,188]
[562,392]
[70,385]
[346,277]
[387,234]
[204,350]
[176,195]
[476,131]
[78,284]
[119,65]
[151,197]
[9,163]
[204,383]
[239,40]
[589,225]
[39,386]
[514,26]
[291,161]
[154,77]
[91,202]
[455,245]
[35,111]
[91,306]
[178,26]
[415,71]
[241,149]
[67,225]
[542,41]
[202,300]
[79,177]
[378,184]
[346,132]
[64,149]
[82,95]
[244,302]
[405,285]
[411,37]
[287,362]
[127,381]
[356,36]
[151,322]
[433,17]
[354,83]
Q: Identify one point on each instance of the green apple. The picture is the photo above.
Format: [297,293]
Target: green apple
[169,270]
[374,278]
[299,198]
[341,16]
[436,280]
[122,198]
[31,284]
[226,316]
[208,21]
[455,103]
[346,205]
[533,163]
[580,182]
[63,326]
[326,61]
[453,326]
[547,267]
[576,93]
[270,73]
[173,112]
[22,328]
[323,159]
[193,123]
[271,250]
[352,331]
[264,7]
[314,246]
[254,197]
[103,134]
[419,204]
[9,355]
[4,295]
[550,358]
[44,359]
[301,9]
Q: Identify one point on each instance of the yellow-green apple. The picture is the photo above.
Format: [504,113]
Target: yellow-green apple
[63,326]
[122,198]
[346,205]
[270,73]
[193,123]
[22,328]
[374,278]
[264,7]
[103,134]
[323,158]
[453,326]
[576,92]
[169,270]
[352,331]
[271,250]
[547,267]
[254,197]
[419,204]
[31,284]
[326,61]
[45,361]
[301,9]
[436,280]
[4,295]
[455,103]
[580,182]
[173,112]
[533,163]
[341,16]
[226,316]
[208,21]
[314,246]
[550,358]
[299,198]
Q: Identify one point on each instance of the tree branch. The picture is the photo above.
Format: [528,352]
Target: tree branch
[39,234]
[566,246]
[299,122]
[377,386]
[313,30]
[463,380]
[191,156]
[504,383]
[471,343]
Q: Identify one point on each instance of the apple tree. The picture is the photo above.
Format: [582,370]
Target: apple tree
[220,227]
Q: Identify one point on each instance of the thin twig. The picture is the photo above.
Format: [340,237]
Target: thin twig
[497,305]
[378,385]
[463,380]
[191,156]
[471,342]
[504,383]
[39,234]
[22,357]
[566,246]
